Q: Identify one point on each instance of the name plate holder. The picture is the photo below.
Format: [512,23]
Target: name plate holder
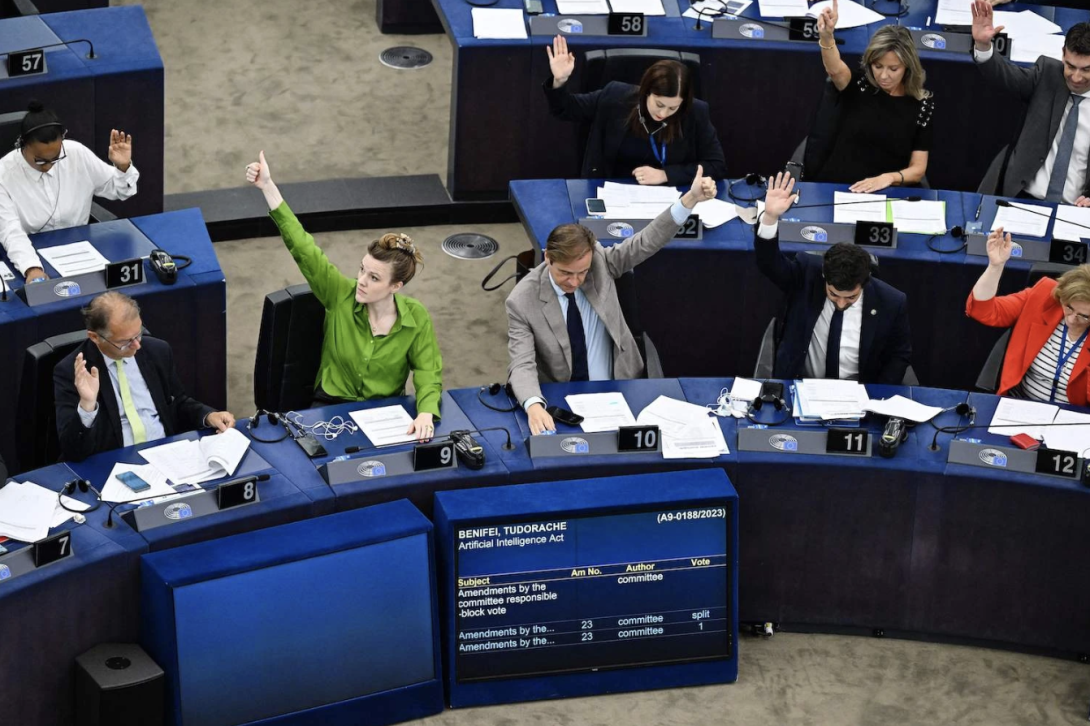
[748,29]
[373,466]
[64,288]
[1030,250]
[618,230]
[191,506]
[604,443]
[553,25]
[974,453]
[826,233]
[21,561]
[944,41]
[796,441]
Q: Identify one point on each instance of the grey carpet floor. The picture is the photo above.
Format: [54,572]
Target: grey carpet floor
[303,82]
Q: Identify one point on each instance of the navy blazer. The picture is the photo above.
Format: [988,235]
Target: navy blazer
[178,412]
[607,110]
[885,343]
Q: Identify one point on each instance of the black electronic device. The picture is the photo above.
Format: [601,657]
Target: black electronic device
[638,438]
[627,24]
[533,7]
[126,272]
[1057,463]
[848,441]
[690,228]
[234,493]
[1068,252]
[596,206]
[564,416]
[52,549]
[469,451]
[164,267]
[874,234]
[119,684]
[803,29]
[894,434]
[311,445]
[433,456]
[771,393]
[26,62]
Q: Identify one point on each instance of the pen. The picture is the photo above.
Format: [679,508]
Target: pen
[976,216]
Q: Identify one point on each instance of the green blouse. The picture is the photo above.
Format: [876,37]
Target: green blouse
[355,363]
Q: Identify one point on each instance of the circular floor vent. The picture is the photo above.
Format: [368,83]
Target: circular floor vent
[470,246]
[405,57]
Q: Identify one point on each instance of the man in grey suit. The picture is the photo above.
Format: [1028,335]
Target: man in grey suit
[564,319]
[1050,159]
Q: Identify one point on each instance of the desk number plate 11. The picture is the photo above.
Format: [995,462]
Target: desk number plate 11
[234,493]
[52,549]
[638,438]
[1067,252]
[26,63]
[126,272]
[627,24]
[1057,463]
[433,456]
[874,234]
[848,441]
[803,29]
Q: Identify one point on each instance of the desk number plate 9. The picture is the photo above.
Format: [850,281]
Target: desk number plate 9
[874,234]
[52,549]
[847,441]
[1057,463]
[803,29]
[126,272]
[26,63]
[690,228]
[1067,252]
[627,24]
[433,456]
[233,493]
[638,438]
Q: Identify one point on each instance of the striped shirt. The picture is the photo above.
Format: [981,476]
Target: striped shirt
[1036,385]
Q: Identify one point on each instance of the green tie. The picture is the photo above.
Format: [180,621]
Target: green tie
[139,435]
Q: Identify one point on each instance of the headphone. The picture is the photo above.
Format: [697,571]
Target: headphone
[274,419]
[20,140]
[758,403]
[639,111]
[752,179]
[84,486]
[963,410]
[494,389]
[957,232]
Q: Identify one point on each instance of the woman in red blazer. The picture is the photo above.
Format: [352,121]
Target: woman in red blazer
[1046,359]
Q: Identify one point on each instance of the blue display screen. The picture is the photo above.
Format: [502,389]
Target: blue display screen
[592,592]
[304,634]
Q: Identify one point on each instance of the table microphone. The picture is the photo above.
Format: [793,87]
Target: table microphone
[1005,203]
[244,480]
[957,430]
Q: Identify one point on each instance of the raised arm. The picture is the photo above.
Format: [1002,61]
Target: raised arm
[835,67]
[111,182]
[562,103]
[999,251]
[785,272]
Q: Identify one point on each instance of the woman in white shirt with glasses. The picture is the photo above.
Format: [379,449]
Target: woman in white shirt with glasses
[47,183]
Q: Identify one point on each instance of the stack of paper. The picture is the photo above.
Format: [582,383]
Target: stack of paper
[823,399]
[1014,220]
[74,259]
[191,462]
[954,12]
[1065,214]
[1028,48]
[1023,24]
[384,425]
[1075,439]
[782,8]
[498,23]
[715,212]
[901,407]
[1013,416]
[582,7]
[632,201]
[647,7]
[601,411]
[687,430]
[115,491]
[922,217]
[714,8]
[852,208]
[26,511]
[851,14]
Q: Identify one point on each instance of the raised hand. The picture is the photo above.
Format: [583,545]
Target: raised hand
[86,384]
[257,172]
[779,197]
[826,22]
[999,248]
[120,154]
[983,30]
[561,62]
[702,189]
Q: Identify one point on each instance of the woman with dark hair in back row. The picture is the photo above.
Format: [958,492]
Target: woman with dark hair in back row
[656,132]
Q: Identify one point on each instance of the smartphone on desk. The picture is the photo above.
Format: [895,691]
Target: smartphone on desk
[132,481]
[596,207]
[564,416]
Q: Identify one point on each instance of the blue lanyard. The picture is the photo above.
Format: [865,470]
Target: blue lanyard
[1063,359]
[658,151]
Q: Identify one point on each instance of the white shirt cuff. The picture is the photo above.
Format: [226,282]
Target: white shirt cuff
[531,401]
[679,212]
[768,231]
[87,418]
[981,56]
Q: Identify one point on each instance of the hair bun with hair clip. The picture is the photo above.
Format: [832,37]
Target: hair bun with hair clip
[405,243]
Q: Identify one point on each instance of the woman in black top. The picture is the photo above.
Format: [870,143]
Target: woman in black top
[884,132]
[656,132]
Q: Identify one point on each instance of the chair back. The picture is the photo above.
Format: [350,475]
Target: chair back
[36,435]
[289,349]
[627,299]
[988,380]
[819,142]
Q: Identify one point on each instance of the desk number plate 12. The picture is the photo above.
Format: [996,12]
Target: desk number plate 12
[126,272]
[1057,463]
[26,63]
[633,24]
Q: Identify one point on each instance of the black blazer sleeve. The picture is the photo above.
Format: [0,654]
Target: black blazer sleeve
[706,148]
[897,350]
[187,412]
[77,442]
[571,106]
[785,272]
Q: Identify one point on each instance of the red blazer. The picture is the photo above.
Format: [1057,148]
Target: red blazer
[1034,313]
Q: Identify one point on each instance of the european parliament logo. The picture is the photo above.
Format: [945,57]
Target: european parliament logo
[371,468]
[993,457]
[181,510]
[575,445]
[5,572]
[67,288]
[783,442]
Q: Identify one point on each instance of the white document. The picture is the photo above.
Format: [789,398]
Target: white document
[715,212]
[631,201]
[1015,220]
[74,259]
[114,491]
[498,23]
[687,430]
[6,272]
[858,208]
[901,407]
[647,7]
[601,411]
[742,394]
[851,14]
[191,462]
[1075,439]
[954,12]
[1013,416]
[923,217]
[62,515]
[1020,25]
[385,425]
[1031,47]
[26,511]
[713,8]
[1066,213]
[783,8]
[582,7]
[828,399]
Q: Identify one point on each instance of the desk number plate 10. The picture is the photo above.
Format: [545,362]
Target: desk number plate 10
[433,456]
[848,441]
[234,493]
[634,24]
[52,549]
[1067,252]
[126,272]
[638,438]
[26,63]
[1057,463]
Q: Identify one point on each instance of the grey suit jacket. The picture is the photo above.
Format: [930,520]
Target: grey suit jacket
[537,334]
[1045,92]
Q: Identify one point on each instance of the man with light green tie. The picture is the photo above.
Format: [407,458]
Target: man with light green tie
[139,399]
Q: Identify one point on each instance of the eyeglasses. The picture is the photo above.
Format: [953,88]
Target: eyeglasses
[1068,310]
[125,344]
[47,162]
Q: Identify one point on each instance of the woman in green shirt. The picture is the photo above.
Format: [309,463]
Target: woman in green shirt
[373,336]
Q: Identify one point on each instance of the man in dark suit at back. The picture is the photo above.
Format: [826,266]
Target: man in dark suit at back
[120,388]
[840,321]
[1051,156]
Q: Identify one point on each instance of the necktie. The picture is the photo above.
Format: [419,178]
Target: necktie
[1063,153]
[832,350]
[578,339]
[139,435]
